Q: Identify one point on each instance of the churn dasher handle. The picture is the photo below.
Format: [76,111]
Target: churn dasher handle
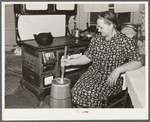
[63,68]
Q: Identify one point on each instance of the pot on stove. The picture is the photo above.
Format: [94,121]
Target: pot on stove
[76,33]
[44,39]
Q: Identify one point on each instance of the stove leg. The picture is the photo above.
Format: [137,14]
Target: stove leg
[41,98]
[41,103]
[21,83]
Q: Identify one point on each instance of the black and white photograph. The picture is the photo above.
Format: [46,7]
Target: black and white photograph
[75,60]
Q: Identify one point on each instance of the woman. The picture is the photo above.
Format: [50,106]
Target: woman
[107,51]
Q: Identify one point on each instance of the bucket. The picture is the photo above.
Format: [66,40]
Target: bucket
[60,96]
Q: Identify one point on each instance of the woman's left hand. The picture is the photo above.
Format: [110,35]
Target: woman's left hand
[113,77]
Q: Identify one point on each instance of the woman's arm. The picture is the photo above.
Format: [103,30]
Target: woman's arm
[132,65]
[76,61]
[80,60]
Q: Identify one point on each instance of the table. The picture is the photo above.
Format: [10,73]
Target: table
[135,81]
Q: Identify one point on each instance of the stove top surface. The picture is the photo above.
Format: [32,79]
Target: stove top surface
[57,42]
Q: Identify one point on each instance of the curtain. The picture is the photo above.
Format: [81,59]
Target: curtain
[126,8]
[96,7]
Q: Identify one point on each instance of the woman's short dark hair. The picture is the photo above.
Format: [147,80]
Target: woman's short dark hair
[109,17]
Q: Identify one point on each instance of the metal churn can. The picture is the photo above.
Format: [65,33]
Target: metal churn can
[60,96]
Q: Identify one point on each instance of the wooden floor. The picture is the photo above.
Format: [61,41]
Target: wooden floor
[23,98]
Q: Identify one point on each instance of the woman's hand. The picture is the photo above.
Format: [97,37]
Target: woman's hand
[113,77]
[65,62]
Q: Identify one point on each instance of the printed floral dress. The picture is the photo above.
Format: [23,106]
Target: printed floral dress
[106,55]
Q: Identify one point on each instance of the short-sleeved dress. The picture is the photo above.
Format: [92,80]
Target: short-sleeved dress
[106,55]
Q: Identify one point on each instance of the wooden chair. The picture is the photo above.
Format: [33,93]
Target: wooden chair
[117,101]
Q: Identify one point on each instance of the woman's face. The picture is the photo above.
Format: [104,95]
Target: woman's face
[104,28]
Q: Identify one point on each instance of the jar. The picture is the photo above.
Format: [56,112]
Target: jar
[138,31]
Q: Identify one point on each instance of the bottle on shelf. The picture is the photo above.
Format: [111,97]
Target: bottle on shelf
[138,30]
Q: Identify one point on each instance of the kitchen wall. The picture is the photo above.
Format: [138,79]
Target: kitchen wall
[137,16]
[10,36]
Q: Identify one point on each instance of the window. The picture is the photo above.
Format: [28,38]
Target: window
[122,17]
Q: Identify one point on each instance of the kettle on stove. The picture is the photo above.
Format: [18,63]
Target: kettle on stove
[76,33]
[44,39]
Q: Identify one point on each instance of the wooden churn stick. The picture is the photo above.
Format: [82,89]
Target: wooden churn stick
[63,68]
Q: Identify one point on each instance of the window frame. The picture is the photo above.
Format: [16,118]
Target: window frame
[111,7]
